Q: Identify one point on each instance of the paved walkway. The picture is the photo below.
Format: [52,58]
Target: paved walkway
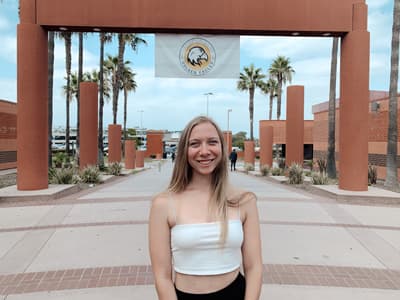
[93,244]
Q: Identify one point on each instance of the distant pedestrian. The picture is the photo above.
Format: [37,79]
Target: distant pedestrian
[173,156]
[233,159]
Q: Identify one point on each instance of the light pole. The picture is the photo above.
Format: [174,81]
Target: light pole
[227,134]
[207,95]
[141,118]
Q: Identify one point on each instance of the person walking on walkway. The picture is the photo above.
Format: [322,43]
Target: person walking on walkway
[233,159]
[202,228]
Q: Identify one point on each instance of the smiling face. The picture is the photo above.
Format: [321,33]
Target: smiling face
[204,149]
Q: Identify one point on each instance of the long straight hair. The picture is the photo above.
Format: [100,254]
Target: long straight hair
[182,174]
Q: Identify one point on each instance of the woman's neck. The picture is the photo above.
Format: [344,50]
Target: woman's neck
[200,182]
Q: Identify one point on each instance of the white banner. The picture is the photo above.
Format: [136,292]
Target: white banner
[197,56]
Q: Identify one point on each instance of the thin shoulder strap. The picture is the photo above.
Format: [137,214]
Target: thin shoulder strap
[172,208]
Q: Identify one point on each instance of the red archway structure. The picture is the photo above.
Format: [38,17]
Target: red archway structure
[344,18]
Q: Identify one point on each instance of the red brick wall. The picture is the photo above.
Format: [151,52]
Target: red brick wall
[154,142]
[279,136]
[8,135]
[377,138]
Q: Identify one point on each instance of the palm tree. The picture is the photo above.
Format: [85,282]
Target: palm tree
[331,161]
[80,79]
[104,38]
[67,37]
[134,40]
[50,74]
[249,80]
[391,157]
[282,72]
[128,85]
[270,88]
[111,67]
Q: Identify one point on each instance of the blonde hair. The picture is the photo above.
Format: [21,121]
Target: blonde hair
[182,174]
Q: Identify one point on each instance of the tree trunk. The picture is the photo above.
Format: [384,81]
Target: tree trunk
[50,74]
[278,108]
[100,159]
[125,117]
[68,96]
[251,111]
[271,103]
[118,74]
[80,71]
[331,161]
[391,157]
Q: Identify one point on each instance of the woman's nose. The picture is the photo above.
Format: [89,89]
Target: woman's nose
[204,148]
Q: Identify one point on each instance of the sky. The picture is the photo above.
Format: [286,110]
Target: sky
[169,103]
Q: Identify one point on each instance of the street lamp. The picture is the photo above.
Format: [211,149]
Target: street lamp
[227,134]
[141,118]
[207,95]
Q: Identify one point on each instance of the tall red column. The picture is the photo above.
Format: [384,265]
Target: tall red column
[88,128]
[32,125]
[228,141]
[249,152]
[114,143]
[266,144]
[354,101]
[140,158]
[295,125]
[130,153]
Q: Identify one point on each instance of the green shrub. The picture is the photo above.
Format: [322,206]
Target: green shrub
[281,163]
[322,165]
[248,167]
[62,176]
[277,172]
[308,173]
[264,170]
[90,174]
[59,158]
[318,178]
[295,173]
[309,164]
[115,169]
[372,174]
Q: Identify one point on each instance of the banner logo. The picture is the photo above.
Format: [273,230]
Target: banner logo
[197,56]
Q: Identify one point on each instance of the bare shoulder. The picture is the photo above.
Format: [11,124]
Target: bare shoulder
[247,202]
[159,203]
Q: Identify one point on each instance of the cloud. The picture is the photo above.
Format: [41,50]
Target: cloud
[8,88]
[8,49]
[4,23]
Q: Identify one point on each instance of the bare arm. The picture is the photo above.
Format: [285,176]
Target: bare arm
[160,249]
[251,249]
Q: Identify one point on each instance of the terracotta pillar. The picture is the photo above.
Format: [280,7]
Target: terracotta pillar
[295,125]
[140,158]
[88,128]
[32,125]
[354,102]
[130,153]
[154,143]
[228,141]
[266,144]
[249,153]
[114,143]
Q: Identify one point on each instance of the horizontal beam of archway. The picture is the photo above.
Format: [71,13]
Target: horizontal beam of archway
[286,17]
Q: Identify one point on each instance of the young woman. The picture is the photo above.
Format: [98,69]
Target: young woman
[202,230]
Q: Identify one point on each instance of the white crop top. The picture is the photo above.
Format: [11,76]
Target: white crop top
[196,248]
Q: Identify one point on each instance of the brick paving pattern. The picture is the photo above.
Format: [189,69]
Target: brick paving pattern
[310,275]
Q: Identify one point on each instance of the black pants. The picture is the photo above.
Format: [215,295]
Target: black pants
[234,291]
[233,165]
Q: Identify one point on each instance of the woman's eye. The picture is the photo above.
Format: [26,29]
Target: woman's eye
[194,144]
